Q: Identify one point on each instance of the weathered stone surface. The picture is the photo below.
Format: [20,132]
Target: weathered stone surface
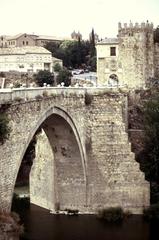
[93,166]
[42,174]
[136,61]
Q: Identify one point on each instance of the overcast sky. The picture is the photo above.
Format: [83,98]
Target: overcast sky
[61,17]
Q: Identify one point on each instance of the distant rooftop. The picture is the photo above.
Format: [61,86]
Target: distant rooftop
[109,41]
[23,50]
[15,36]
[45,37]
[38,37]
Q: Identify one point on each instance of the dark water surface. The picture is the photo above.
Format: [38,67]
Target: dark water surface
[41,225]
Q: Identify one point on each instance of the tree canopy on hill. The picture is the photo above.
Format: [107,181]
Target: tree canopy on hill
[75,53]
[150,161]
[149,156]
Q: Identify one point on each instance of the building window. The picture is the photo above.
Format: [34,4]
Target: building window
[112,51]
[23,43]
[26,42]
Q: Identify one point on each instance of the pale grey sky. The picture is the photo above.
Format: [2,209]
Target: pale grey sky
[61,17]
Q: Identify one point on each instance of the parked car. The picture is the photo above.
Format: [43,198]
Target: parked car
[77,71]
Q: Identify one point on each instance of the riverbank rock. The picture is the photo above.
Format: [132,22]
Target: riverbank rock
[10,227]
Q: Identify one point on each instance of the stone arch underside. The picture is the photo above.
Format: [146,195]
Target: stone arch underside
[67,183]
[68,186]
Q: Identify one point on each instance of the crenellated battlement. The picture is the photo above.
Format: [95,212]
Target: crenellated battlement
[125,27]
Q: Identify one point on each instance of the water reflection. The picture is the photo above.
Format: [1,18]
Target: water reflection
[41,225]
[154,230]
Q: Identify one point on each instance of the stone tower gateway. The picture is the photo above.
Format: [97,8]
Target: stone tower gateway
[136,52]
[135,63]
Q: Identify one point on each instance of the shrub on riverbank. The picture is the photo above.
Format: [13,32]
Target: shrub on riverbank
[151,212]
[112,214]
[10,222]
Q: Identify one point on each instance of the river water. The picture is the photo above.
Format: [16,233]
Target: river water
[41,225]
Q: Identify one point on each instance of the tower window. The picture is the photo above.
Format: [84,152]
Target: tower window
[112,51]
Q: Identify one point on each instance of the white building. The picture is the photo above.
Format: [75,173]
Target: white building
[108,65]
[26,59]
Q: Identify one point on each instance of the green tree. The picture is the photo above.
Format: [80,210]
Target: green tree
[56,50]
[44,76]
[149,157]
[64,76]
[151,128]
[156,35]
[92,54]
[73,53]
[92,44]
[57,67]
[53,48]
[2,74]
[93,63]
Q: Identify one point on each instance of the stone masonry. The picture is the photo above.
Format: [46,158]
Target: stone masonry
[135,61]
[84,160]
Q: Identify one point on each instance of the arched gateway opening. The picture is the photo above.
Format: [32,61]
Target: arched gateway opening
[58,173]
[113,80]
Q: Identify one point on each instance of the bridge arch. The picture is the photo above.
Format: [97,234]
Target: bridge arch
[69,157]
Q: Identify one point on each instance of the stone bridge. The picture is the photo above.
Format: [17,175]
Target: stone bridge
[83,158]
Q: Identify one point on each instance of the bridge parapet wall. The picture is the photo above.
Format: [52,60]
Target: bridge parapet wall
[9,95]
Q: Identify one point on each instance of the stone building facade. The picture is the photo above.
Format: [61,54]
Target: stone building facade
[24,39]
[135,60]
[21,40]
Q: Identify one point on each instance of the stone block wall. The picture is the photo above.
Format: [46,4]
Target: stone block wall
[137,61]
[156,60]
[93,166]
[136,53]
[42,183]
[114,177]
